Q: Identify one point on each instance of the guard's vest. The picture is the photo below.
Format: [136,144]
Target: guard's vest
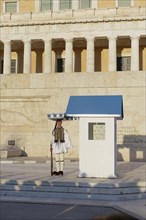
[59,134]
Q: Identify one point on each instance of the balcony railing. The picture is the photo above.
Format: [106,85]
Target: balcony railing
[72,15]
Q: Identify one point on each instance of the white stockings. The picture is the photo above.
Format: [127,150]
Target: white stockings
[59,158]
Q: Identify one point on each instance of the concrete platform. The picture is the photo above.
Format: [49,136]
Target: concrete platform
[10,152]
[30,180]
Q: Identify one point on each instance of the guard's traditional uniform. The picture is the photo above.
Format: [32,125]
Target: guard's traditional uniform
[60,145]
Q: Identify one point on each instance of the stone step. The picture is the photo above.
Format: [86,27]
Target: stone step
[79,196]
[70,189]
[80,190]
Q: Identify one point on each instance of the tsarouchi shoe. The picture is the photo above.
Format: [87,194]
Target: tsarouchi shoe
[61,173]
[55,173]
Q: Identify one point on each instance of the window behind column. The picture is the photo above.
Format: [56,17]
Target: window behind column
[1,66]
[84,4]
[13,66]
[11,7]
[45,5]
[124,63]
[60,65]
[65,4]
[124,3]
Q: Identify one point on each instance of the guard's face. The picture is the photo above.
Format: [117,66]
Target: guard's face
[59,123]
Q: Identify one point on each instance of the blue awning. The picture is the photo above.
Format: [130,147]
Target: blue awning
[95,106]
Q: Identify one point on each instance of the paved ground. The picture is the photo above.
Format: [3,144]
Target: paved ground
[40,169]
[29,211]
[25,169]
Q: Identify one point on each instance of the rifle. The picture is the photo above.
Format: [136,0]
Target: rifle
[51,150]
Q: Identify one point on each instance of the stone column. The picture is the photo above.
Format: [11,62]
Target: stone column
[78,60]
[94,3]
[135,53]
[90,55]
[56,5]
[132,3]
[7,57]
[75,4]
[112,66]
[48,56]
[69,56]
[37,6]
[27,57]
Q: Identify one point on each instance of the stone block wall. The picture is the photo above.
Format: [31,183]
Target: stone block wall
[26,99]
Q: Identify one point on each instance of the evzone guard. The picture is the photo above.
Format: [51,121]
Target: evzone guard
[60,145]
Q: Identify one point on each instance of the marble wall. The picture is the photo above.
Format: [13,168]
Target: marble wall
[26,99]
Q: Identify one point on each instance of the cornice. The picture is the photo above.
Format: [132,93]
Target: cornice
[77,21]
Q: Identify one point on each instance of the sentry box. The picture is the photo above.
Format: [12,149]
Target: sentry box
[97,133]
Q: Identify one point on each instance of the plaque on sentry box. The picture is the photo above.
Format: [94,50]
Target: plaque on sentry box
[96,131]
[99,131]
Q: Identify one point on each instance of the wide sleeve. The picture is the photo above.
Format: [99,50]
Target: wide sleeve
[67,140]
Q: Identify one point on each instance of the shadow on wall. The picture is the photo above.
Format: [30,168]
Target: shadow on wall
[132,149]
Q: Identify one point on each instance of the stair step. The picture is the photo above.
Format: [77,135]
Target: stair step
[79,190]
[70,189]
[72,195]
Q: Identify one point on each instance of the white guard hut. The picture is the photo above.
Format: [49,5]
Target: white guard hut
[97,137]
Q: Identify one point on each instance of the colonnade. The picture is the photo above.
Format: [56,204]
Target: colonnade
[90,65]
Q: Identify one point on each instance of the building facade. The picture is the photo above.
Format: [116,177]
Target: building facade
[50,50]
